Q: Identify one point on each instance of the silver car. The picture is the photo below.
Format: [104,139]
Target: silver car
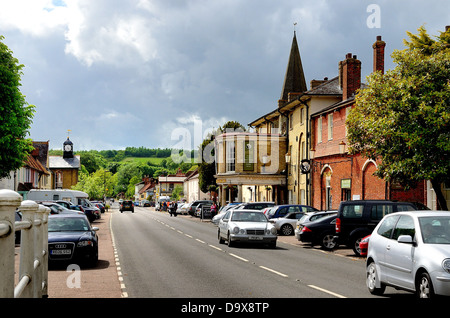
[287,223]
[410,251]
[246,226]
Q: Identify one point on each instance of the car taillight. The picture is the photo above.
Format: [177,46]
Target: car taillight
[338,225]
[305,229]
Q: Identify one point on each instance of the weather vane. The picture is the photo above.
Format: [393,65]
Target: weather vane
[295,23]
[68,132]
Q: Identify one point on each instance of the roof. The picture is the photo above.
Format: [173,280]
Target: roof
[31,162]
[294,80]
[64,163]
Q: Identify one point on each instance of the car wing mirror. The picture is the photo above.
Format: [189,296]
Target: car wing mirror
[95,229]
[407,239]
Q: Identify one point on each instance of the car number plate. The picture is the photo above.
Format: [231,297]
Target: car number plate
[61,252]
[255,238]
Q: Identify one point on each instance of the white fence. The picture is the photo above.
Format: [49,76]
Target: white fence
[33,268]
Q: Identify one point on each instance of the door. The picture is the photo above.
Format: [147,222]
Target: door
[399,257]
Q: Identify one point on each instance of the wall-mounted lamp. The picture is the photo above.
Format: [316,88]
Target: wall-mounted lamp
[288,157]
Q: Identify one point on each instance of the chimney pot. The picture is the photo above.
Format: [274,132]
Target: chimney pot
[378,55]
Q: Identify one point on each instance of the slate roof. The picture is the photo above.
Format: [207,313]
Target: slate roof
[58,162]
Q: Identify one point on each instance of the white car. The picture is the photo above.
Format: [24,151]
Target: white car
[410,251]
[286,224]
[250,226]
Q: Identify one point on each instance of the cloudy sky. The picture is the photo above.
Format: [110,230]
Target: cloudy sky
[161,73]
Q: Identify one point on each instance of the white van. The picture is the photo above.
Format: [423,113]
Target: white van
[74,196]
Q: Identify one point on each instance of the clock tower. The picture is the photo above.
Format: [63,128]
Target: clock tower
[68,149]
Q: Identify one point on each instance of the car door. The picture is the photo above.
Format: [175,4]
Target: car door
[380,242]
[399,257]
[223,224]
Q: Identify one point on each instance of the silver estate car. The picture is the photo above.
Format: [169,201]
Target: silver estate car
[410,251]
[246,226]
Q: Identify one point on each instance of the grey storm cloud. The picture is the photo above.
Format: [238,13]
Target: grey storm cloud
[121,73]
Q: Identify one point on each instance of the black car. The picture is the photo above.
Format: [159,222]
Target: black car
[71,239]
[126,205]
[357,219]
[193,206]
[320,232]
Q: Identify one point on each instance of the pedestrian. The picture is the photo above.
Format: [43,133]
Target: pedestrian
[174,208]
[213,209]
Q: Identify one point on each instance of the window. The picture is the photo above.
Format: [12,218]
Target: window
[353,211]
[291,121]
[387,226]
[405,226]
[302,115]
[230,156]
[330,126]
[319,130]
[379,211]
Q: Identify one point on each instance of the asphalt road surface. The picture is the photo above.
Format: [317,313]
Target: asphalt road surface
[180,257]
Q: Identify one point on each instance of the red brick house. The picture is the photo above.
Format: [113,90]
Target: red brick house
[335,175]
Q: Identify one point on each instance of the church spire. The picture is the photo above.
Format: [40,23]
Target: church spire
[294,80]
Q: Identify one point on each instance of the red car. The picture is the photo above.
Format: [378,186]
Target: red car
[364,245]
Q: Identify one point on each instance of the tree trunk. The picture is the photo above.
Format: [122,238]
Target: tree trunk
[439,195]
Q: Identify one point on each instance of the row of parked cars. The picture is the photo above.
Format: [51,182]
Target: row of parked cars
[71,237]
[406,246]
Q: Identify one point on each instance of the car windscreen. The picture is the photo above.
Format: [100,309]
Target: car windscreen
[248,217]
[435,229]
[67,224]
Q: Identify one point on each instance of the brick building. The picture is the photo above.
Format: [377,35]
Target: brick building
[335,175]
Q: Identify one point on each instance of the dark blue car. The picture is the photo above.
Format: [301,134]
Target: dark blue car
[71,239]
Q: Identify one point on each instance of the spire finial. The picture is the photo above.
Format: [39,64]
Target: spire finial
[295,24]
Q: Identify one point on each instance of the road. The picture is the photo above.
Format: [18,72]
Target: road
[168,257]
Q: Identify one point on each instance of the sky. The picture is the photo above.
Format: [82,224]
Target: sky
[113,74]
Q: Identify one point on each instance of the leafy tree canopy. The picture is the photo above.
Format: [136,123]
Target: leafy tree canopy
[16,114]
[403,116]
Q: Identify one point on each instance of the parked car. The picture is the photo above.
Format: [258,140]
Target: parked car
[228,206]
[56,208]
[282,210]
[254,205]
[69,205]
[193,206]
[320,231]
[364,245]
[126,205]
[206,208]
[182,208]
[248,226]
[72,239]
[410,251]
[309,217]
[286,224]
[99,205]
[357,219]
[144,203]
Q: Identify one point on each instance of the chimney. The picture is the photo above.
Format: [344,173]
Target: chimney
[378,55]
[349,75]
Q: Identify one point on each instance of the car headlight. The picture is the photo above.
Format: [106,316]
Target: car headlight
[446,265]
[272,231]
[236,230]
[84,243]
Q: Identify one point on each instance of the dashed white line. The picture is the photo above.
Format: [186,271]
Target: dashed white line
[238,257]
[273,271]
[327,291]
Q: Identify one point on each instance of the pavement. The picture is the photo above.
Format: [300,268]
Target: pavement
[101,281]
[104,280]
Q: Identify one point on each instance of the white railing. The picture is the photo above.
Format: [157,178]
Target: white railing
[33,259]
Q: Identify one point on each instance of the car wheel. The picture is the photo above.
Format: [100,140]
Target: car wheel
[287,229]
[230,243]
[328,242]
[371,280]
[221,240]
[355,245]
[424,287]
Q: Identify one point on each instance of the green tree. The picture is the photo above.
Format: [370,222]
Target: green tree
[403,116]
[16,114]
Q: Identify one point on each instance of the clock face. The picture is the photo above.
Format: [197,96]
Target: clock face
[67,148]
